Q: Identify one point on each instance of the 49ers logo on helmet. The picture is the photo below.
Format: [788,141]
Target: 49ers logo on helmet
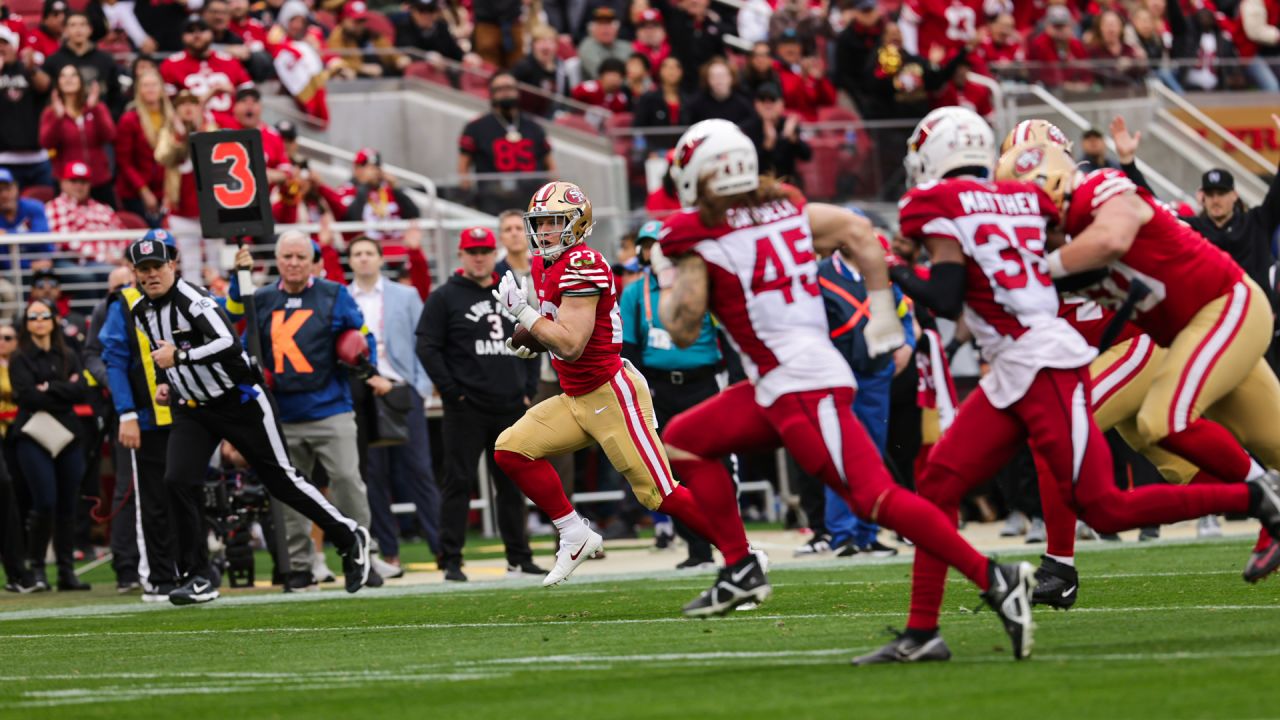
[1029,160]
[1057,136]
[574,196]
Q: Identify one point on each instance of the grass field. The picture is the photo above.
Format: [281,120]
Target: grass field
[1166,631]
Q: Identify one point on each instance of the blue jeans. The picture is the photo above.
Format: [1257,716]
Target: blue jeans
[1261,74]
[1170,80]
[871,405]
[54,482]
[404,471]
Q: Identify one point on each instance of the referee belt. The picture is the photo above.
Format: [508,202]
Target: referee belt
[683,377]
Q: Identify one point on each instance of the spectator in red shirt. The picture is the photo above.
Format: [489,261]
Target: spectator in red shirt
[247,113]
[1057,53]
[74,211]
[651,39]
[139,178]
[805,86]
[172,152]
[1002,48]
[607,90]
[212,75]
[77,127]
[965,93]
[1127,64]
[45,39]
[250,30]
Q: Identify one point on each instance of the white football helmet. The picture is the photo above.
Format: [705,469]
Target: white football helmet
[718,151]
[946,139]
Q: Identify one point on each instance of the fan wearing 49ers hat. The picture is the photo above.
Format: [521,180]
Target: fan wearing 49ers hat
[571,308]
[485,386]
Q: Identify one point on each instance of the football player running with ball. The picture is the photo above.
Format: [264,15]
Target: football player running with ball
[572,311]
[744,248]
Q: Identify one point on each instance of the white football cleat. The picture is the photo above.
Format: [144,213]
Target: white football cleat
[575,547]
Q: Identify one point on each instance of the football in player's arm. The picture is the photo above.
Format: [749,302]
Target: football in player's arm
[684,279]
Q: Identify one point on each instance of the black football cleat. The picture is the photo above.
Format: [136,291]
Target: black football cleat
[1010,596]
[197,589]
[1057,584]
[1262,563]
[737,584]
[355,561]
[1266,508]
[907,649]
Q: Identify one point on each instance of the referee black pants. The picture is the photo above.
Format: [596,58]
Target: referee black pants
[250,425]
[469,434]
[669,400]
[144,544]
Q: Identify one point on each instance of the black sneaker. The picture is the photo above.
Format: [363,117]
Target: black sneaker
[1265,494]
[22,586]
[157,593]
[696,564]
[846,549]
[739,583]
[527,567]
[355,561]
[878,549]
[1261,563]
[1149,533]
[454,573]
[1056,584]
[819,544]
[301,581]
[664,536]
[39,580]
[375,580]
[196,590]
[904,648]
[124,587]
[70,582]
[1010,596]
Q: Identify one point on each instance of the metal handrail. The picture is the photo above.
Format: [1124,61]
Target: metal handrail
[1167,187]
[1212,125]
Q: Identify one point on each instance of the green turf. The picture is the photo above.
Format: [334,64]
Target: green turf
[1168,631]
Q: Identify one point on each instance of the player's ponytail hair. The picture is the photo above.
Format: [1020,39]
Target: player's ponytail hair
[713,208]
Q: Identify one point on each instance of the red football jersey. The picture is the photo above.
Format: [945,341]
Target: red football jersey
[1010,303]
[1183,270]
[763,287]
[181,70]
[947,23]
[581,271]
[591,93]
[1091,320]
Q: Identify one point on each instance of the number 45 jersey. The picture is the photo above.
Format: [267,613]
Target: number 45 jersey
[763,287]
[1010,303]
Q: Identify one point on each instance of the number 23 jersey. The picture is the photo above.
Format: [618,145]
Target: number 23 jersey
[762,279]
[582,272]
[1010,303]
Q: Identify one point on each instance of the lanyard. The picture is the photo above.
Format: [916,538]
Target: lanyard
[648,302]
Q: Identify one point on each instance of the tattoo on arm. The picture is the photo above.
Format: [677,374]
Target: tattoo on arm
[684,304]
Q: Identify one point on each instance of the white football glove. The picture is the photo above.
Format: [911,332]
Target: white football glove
[523,353]
[661,267]
[884,330]
[515,298]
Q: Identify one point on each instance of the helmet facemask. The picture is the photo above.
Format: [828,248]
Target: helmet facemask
[566,236]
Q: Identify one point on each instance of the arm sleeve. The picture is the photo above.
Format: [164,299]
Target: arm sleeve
[116,358]
[93,364]
[106,126]
[24,386]
[419,273]
[1132,172]
[1269,210]
[1253,18]
[126,142]
[431,340]
[943,293]
[235,303]
[49,137]
[212,324]
[408,208]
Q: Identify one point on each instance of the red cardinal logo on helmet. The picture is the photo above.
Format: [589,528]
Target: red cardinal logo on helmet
[686,152]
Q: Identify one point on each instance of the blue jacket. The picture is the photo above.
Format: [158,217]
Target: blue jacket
[334,397]
[30,219]
[130,371]
[845,296]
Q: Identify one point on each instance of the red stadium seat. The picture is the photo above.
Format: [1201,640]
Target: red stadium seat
[43,193]
[381,25]
[326,19]
[28,9]
[476,82]
[131,221]
[427,71]
[618,121]
[565,48]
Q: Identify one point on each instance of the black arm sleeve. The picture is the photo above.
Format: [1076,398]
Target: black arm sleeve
[1079,281]
[943,293]
[1132,172]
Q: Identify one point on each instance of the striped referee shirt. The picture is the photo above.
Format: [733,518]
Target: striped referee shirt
[190,319]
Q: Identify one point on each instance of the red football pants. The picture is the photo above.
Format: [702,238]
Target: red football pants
[1054,415]
[819,429]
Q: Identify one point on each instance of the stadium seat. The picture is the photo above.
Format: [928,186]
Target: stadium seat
[43,193]
[131,221]
[476,82]
[427,71]
[381,25]
[577,122]
[28,9]
[618,121]
[326,19]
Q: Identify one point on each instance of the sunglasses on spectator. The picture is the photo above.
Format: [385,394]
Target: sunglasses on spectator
[45,283]
[8,337]
[40,316]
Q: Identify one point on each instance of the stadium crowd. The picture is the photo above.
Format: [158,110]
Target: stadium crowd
[100,99]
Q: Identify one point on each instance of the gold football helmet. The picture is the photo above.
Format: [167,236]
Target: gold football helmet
[1044,163]
[561,201]
[1035,130]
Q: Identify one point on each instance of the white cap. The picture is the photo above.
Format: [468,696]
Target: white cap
[291,10]
[8,35]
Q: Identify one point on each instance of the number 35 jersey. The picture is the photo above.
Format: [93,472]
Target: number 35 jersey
[763,287]
[1010,303]
[580,271]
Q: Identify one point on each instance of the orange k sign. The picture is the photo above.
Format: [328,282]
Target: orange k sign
[282,343]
